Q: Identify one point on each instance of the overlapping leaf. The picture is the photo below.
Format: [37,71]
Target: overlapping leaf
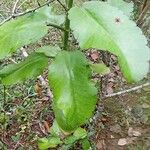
[25,30]
[99,25]
[74,94]
[100,68]
[50,142]
[31,67]
[49,51]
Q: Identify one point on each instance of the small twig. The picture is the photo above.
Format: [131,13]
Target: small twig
[12,60]
[56,26]
[38,3]
[141,16]
[144,5]
[65,8]
[26,12]
[126,91]
[15,6]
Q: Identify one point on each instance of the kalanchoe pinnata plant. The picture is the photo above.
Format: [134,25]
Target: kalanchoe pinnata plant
[102,25]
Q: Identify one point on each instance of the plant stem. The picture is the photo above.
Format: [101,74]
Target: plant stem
[67,26]
[56,26]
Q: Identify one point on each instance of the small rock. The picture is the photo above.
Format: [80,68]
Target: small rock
[112,137]
[145,106]
[136,133]
[122,142]
[132,132]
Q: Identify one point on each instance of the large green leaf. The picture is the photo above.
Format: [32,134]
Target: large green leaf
[31,67]
[74,94]
[127,8]
[25,30]
[99,25]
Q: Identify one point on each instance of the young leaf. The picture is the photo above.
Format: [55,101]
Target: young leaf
[55,130]
[50,142]
[126,7]
[99,25]
[100,68]
[25,30]
[31,67]
[70,140]
[74,95]
[86,144]
[49,51]
[80,133]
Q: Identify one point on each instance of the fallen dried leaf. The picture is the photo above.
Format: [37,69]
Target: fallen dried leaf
[46,125]
[95,56]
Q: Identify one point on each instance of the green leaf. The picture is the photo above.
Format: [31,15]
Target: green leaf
[55,130]
[50,142]
[99,25]
[86,144]
[74,95]
[70,140]
[31,67]
[49,51]
[126,7]
[25,30]
[66,147]
[100,68]
[80,133]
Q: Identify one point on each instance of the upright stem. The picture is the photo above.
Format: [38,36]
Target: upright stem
[67,26]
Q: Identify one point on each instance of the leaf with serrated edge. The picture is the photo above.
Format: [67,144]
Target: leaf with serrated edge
[74,94]
[31,67]
[95,27]
[25,30]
